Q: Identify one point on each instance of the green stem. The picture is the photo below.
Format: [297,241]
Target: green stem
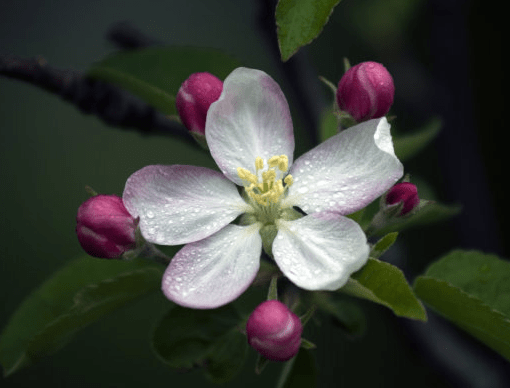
[287,368]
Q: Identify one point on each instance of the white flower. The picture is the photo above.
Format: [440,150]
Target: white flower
[249,133]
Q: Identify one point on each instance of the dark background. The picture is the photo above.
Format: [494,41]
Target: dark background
[446,60]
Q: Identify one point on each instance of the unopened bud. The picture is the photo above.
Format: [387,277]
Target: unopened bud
[195,97]
[366,91]
[403,192]
[104,227]
[274,331]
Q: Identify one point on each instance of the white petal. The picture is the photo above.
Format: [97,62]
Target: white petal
[320,251]
[214,271]
[250,119]
[180,204]
[347,171]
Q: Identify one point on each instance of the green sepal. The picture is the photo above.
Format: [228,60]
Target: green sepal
[200,139]
[260,364]
[347,64]
[331,86]
[427,212]
[308,345]
[289,214]
[272,294]
[308,315]
[357,216]
[383,245]
[268,234]
[247,218]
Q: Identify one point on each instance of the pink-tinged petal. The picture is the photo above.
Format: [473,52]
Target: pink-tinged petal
[250,119]
[320,251]
[347,171]
[181,204]
[212,272]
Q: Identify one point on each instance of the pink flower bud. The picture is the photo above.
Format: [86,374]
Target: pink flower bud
[274,331]
[195,97]
[403,192]
[104,227]
[366,91]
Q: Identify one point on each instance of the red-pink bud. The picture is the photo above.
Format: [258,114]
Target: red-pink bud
[195,97]
[274,331]
[366,91]
[104,227]
[403,192]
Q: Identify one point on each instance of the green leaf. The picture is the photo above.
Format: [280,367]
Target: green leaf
[186,338]
[431,213]
[156,74]
[80,293]
[299,372]
[471,289]
[383,245]
[308,345]
[409,145]
[329,124]
[385,284]
[346,315]
[299,22]
[226,357]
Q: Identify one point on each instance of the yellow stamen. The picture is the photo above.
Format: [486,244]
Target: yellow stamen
[268,189]
[283,163]
[273,161]
[245,175]
[259,163]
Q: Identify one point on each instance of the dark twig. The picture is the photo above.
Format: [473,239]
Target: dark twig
[113,105]
[127,37]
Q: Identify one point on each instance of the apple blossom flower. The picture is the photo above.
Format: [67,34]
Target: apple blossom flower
[404,192]
[250,137]
[366,91]
[274,331]
[194,98]
[104,227]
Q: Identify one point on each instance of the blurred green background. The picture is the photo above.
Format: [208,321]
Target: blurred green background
[49,151]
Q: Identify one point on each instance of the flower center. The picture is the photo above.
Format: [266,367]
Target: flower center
[265,187]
